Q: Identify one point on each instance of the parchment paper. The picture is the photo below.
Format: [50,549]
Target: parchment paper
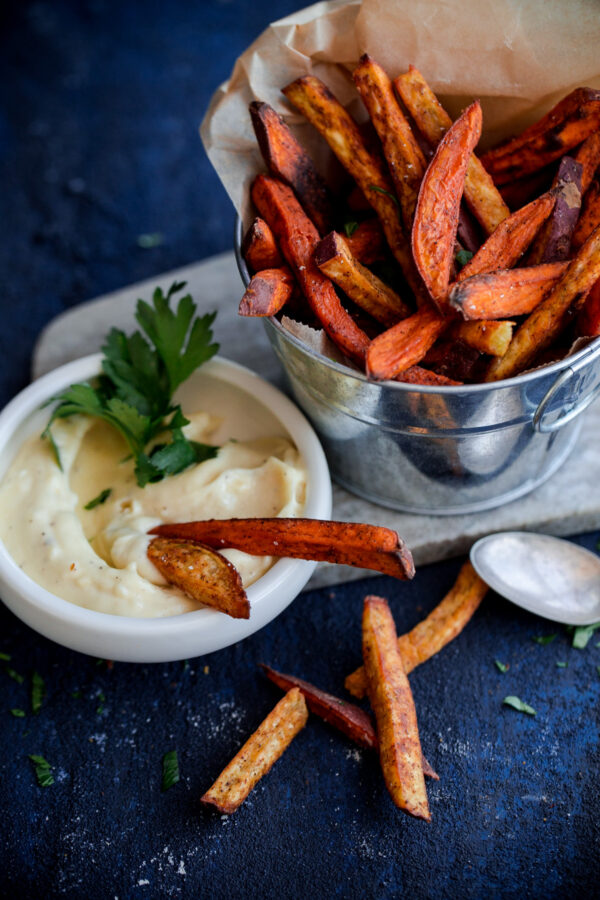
[517,56]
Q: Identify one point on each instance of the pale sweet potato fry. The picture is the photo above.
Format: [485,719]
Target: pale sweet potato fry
[565,126]
[298,237]
[437,212]
[588,157]
[553,241]
[588,320]
[392,702]
[404,157]
[316,102]
[289,161]
[418,375]
[432,120]
[440,627]
[333,257]
[345,543]
[367,243]
[511,238]
[488,336]
[589,217]
[202,574]
[405,344]
[259,247]
[348,718]
[268,292]
[506,292]
[549,318]
[259,753]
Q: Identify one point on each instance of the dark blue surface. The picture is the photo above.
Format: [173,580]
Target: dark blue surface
[100,103]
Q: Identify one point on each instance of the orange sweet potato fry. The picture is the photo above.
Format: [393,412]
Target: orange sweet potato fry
[488,336]
[588,157]
[289,161]
[259,247]
[506,292]
[334,258]
[553,241]
[418,375]
[348,718]
[405,344]
[432,120]
[345,543]
[440,627]
[589,218]
[510,240]
[258,754]
[316,102]
[404,157]
[588,321]
[367,243]
[438,207]
[567,124]
[549,318]
[201,573]
[268,291]
[298,237]
[392,702]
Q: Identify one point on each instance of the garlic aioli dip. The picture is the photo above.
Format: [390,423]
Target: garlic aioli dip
[97,558]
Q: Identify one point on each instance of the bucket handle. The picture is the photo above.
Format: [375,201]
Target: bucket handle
[565,376]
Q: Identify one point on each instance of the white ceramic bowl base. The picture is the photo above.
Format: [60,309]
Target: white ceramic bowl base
[129,639]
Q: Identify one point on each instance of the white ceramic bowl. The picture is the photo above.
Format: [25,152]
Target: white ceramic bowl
[130,639]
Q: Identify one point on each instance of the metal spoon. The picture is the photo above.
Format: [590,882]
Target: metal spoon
[545,575]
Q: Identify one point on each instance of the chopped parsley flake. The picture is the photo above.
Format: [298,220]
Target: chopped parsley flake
[14,675]
[350,228]
[518,704]
[545,638]
[561,665]
[18,713]
[38,692]
[462,257]
[582,635]
[101,498]
[170,770]
[502,667]
[43,770]
[5,657]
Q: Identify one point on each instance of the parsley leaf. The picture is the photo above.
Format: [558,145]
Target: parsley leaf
[561,665]
[582,635]
[43,770]
[170,770]
[5,657]
[350,228]
[18,713]
[14,675]
[149,241]
[545,638]
[141,373]
[101,498]
[462,257]
[38,692]
[519,705]
[502,667]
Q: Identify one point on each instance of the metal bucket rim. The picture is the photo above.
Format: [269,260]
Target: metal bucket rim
[586,355]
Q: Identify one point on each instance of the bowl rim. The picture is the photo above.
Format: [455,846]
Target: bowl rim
[317,505]
[586,354]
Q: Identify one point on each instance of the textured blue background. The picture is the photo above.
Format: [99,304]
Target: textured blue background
[100,103]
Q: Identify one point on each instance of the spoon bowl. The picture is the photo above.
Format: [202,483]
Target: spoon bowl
[545,575]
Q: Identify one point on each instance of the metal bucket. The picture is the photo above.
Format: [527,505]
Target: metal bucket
[447,450]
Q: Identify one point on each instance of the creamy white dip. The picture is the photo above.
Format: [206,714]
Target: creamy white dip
[97,558]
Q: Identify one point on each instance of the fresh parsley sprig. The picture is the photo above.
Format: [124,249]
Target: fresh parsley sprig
[141,373]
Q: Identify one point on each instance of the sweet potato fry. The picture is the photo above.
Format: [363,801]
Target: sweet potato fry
[201,573]
[511,238]
[259,753]
[316,102]
[268,291]
[394,708]
[405,344]
[588,157]
[488,336]
[289,161]
[440,627]
[367,243]
[259,247]
[553,241]
[548,319]
[345,543]
[432,120]
[418,375]
[333,257]
[567,124]
[588,321]
[298,238]
[438,206]
[404,157]
[589,218]
[507,292]
[348,718]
